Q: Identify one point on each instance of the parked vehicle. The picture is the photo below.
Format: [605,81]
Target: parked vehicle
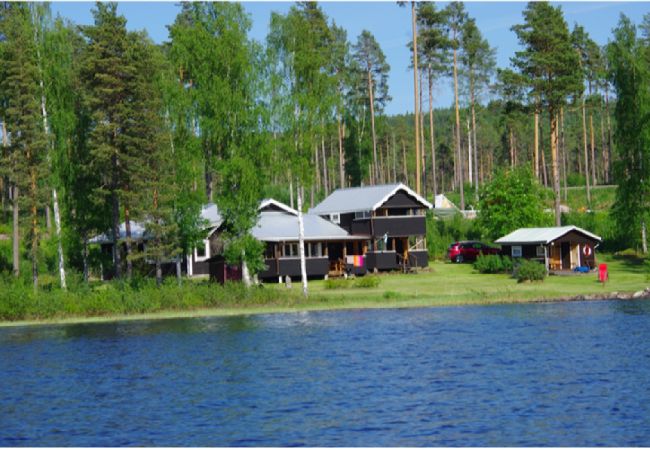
[469,250]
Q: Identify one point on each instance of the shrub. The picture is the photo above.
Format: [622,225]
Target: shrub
[369,281]
[391,295]
[336,283]
[530,271]
[493,264]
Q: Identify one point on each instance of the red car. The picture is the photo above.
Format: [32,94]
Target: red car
[469,250]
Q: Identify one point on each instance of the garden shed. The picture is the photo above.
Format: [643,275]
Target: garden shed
[559,248]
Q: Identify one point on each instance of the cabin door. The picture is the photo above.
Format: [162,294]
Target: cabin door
[566,255]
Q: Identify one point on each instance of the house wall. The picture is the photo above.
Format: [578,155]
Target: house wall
[315,267]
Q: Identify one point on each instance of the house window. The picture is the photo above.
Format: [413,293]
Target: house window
[539,251]
[202,252]
[362,214]
[516,251]
[335,217]
[315,250]
[290,250]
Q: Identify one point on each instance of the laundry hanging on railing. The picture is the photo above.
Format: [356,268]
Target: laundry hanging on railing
[355,260]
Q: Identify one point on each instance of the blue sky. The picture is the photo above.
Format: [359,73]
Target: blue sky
[391,26]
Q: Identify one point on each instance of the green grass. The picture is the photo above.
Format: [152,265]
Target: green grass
[441,284]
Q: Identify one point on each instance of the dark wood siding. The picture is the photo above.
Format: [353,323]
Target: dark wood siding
[419,258]
[399,226]
[360,226]
[346,221]
[316,267]
[381,261]
[402,200]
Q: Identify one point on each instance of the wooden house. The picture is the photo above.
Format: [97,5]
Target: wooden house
[393,216]
[559,248]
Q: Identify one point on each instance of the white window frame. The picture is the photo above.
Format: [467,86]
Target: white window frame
[206,244]
[335,218]
[540,251]
[516,251]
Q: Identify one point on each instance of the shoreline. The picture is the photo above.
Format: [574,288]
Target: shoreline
[258,310]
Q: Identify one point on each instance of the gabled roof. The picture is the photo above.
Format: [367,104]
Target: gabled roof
[367,198]
[541,235]
[442,202]
[275,226]
[270,203]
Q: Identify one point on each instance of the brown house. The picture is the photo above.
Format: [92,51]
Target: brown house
[559,248]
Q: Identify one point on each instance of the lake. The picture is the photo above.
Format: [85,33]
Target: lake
[553,374]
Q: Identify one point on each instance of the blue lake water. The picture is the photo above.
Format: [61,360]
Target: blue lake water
[575,374]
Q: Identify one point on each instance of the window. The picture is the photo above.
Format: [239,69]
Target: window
[202,252]
[539,250]
[516,251]
[314,250]
[335,218]
[362,214]
[290,250]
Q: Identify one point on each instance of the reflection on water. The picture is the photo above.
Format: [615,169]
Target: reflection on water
[508,375]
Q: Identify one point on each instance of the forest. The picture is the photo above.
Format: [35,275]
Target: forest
[102,126]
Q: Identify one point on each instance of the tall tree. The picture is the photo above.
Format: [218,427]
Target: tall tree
[630,75]
[479,61]
[27,156]
[433,44]
[371,59]
[456,18]
[552,68]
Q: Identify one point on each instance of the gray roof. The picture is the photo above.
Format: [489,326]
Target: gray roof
[541,235]
[366,198]
[210,212]
[274,226]
[137,233]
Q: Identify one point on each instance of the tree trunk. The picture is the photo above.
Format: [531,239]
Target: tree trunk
[554,166]
[511,144]
[415,99]
[584,141]
[317,164]
[245,274]
[34,213]
[16,231]
[536,145]
[603,147]
[432,137]
[458,150]
[326,187]
[644,238]
[564,155]
[406,176]
[179,274]
[609,136]
[593,149]
[469,155]
[290,191]
[474,145]
[375,174]
[301,245]
[84,256]
[127,241]
[158,272]
[394,159]
[57,223]
[341,154]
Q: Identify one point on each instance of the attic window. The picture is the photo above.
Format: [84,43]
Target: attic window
[202,252]
[335,218]
[362,214]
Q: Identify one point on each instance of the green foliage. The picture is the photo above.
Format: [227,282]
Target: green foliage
[443,231]
[513,199]
[337,283]
[368,281]
[493,264]
[528,270]
[18,301]
[630,75]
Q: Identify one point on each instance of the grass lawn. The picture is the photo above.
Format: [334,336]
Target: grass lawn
[442,284]
[453,284]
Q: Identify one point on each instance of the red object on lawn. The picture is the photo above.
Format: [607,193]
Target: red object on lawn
[602,273]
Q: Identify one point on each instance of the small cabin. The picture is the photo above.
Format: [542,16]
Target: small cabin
[558,248]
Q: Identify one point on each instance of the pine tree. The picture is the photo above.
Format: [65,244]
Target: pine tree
[551,66]
[28,148]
